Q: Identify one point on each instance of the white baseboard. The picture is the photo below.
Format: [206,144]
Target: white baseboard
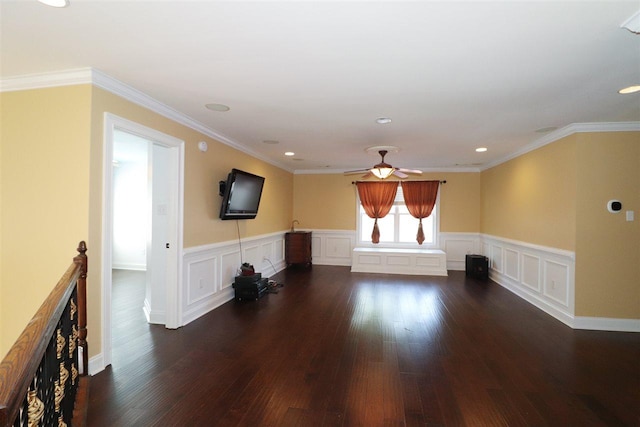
[134,267]
[606,324]
[153,316]
[96,364]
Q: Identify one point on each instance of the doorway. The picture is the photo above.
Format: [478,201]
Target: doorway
[146,234]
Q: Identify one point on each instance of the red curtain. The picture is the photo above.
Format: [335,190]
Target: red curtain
[420,198]
[377,199]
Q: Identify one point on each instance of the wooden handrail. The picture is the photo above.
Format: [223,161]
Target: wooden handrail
[19,365]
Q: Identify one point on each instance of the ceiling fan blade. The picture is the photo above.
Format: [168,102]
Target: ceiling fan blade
[416,171]
[400,174]
[367,175]
[356,171]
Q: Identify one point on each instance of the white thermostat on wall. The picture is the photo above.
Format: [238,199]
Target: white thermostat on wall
[614,206]
[202,146]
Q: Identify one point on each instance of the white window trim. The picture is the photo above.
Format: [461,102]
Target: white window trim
[413,245]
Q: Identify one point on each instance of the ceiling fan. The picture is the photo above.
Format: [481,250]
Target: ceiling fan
[384,170]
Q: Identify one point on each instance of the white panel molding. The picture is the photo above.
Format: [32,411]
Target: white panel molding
[556,281]
[229,264]
[209,270]
[531,266]
[495,260]
[457,246]
[512,264]
[332,247]
[542,276]
[428,262]
[201,282]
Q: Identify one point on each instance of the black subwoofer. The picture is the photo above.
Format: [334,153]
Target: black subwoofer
[477,266]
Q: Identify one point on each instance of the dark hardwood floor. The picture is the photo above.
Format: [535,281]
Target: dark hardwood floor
[334,348]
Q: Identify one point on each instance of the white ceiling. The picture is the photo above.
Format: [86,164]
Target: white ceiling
[314,76]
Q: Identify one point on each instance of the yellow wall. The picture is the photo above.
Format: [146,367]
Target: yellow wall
[52,150]
[2,351]
[608,246]
[532,198]
[324,201]
[328,201]
[556,196]
[45,196]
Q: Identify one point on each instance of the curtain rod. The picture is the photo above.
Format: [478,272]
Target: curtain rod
[443,181]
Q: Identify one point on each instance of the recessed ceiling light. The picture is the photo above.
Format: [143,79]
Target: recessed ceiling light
[383,120]
[217,107]
[289,153]
[630,89]
[55,3]
[481,149]
[270,141]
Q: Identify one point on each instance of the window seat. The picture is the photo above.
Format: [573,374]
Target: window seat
[427,262]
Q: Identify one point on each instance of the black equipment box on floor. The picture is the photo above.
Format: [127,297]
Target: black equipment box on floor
[246,280]
[477,266]
[250,287]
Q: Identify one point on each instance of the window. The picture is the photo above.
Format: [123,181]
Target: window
[399,228]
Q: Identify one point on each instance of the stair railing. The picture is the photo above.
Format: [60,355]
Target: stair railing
[44,373]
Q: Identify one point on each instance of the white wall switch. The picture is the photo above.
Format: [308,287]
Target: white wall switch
[629,215]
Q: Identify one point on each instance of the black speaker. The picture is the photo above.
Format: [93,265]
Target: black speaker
[477,266]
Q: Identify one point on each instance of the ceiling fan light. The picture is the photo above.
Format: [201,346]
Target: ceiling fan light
[630,89]
[55,3]
[382,172]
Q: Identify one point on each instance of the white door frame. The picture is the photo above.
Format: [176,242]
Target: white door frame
[174,296]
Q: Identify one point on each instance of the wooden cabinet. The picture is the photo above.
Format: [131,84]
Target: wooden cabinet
[297,246]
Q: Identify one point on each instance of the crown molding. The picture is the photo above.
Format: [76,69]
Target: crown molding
[44,80]
[102,80]
[110,84]
[633,23]
[563,133]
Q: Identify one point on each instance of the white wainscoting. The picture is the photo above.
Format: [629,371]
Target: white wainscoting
[209,270]
[428,262]
[541,275]
[457,246]
[332,247]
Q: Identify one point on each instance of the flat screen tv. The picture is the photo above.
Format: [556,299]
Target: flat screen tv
[241,194]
